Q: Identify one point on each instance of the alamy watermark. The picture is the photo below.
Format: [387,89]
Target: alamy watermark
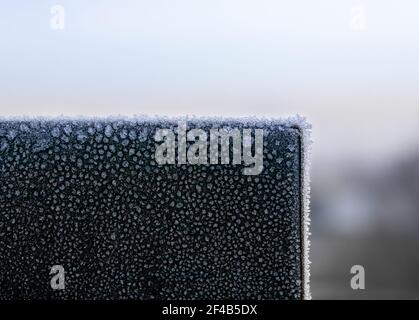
[58,280]
[219,138]
[358,280]
[57,20]
[358,18]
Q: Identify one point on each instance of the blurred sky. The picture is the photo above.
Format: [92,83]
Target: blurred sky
[358,86]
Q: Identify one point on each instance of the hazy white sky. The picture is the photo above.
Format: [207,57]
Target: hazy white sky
[346,65]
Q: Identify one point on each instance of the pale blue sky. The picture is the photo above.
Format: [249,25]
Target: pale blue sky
[134,46]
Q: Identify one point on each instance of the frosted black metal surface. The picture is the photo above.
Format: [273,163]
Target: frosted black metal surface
[89,195]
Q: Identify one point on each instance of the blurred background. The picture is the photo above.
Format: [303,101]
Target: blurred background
[350,67]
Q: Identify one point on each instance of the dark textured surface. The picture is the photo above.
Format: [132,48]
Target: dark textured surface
[89,196]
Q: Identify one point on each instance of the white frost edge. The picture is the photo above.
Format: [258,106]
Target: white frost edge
[296,121]
[306,141]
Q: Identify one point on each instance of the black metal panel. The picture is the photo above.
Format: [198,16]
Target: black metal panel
[88,195]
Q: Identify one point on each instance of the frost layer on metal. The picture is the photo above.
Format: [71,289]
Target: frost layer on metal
[87,194]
